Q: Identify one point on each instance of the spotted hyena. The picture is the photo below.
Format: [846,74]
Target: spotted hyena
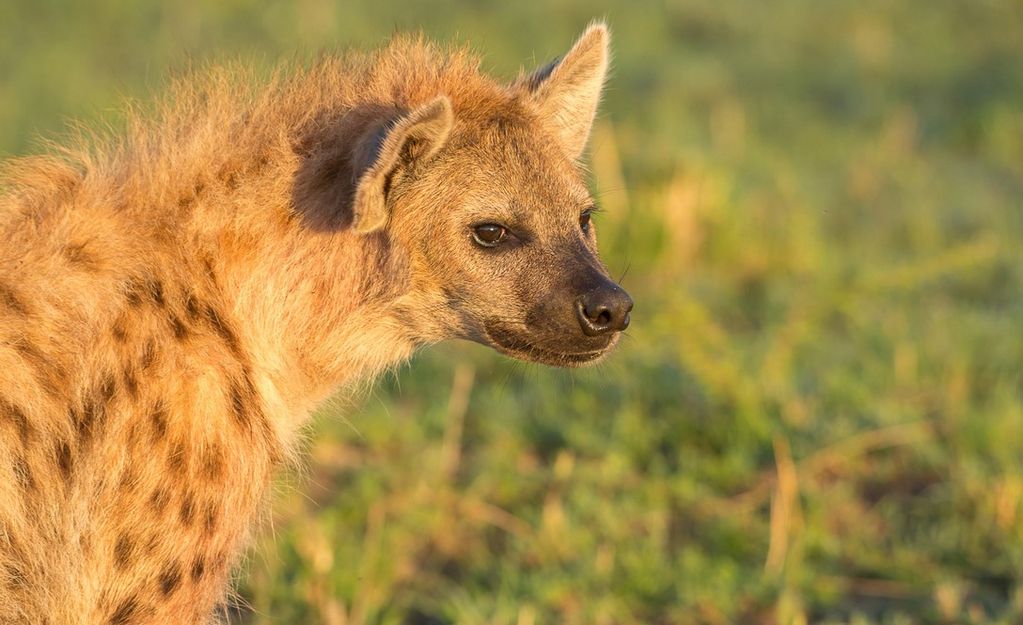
[175,301]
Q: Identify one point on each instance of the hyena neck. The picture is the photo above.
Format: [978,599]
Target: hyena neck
[319,311]
[317,306]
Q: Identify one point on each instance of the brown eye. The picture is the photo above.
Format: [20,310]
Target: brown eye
[584,220]
[488,235]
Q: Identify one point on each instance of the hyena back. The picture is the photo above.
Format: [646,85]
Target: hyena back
[174,303]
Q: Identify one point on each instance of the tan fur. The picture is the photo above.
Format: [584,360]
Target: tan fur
[174,303]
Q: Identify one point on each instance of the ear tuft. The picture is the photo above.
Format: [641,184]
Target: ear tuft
[567,91]
[413,138]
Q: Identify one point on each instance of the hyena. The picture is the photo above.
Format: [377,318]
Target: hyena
[176,300]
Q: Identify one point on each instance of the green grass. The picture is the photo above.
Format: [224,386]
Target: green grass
[816,416]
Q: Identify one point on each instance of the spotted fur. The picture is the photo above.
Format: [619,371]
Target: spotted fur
[175,300]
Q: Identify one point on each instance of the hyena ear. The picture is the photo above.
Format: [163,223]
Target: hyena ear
[383,154]
[567,90]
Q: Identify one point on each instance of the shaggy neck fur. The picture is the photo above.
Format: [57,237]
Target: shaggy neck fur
[173,304]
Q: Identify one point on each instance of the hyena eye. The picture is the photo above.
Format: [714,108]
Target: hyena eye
[584,220]
[488,235]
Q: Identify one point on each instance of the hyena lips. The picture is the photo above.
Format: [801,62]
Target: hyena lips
[570,325]
[173,308]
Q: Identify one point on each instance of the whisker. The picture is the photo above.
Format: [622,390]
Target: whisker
[628,266]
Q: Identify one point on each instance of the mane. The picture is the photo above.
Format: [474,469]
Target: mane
[221,120]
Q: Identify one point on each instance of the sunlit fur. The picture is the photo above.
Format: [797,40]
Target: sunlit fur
[176,299]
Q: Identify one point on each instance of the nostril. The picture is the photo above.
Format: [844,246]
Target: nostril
[603,311]
[594,318]
[599,314]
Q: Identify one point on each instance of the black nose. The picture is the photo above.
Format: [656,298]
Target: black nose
[603,310]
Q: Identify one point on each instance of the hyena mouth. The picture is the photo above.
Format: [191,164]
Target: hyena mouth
[514,344]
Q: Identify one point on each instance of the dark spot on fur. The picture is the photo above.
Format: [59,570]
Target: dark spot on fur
[213,462]
[187,512]
[85,542]
[187,200]
[125,612]
[207,265]
[155,289]
[245,408]
[158,419]
[79,419]
[178,327]
[148,354]
[65,460]
[11,300]
[198,569]
[224,331]
[228,176]
[90,420]
[176,458]
[14,414]
[12,544]
[137,290]
[23,474]
[210,518]
[128,480]
[84,420]
[241,416]
[108,388]
[170,578]
[31,353]
[119,332]
[192,306]
[248,415]
[152,543]
[51,375]
[15,576]
[133,294]
[124,551]
[159,499]
[131,383]
[77,255]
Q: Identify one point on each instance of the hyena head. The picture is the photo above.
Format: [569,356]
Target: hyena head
[489,202]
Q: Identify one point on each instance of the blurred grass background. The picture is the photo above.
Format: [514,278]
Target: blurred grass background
[816,416]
